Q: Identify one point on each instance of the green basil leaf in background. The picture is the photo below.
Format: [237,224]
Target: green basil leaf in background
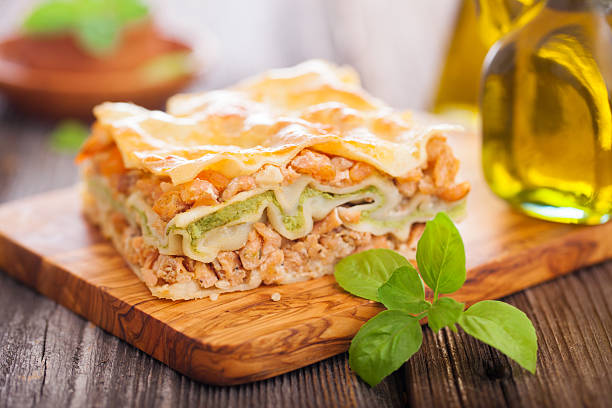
[51,16]
[445,312]
[363,273]
[383,344]
[441,255]
[68,136]
[504,327]
[130,10]
[97,24]
[98,34]
[404,291]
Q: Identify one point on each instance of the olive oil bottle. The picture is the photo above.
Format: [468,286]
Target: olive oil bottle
[498,17]
[479,24]
[546,115]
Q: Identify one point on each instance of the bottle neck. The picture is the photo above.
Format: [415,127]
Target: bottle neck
[569,5]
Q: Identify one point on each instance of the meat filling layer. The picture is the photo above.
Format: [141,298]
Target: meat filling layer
[275,259]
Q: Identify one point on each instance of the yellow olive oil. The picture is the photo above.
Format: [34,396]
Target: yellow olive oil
[498,17]
[458,85]
[546,115]
[479,24]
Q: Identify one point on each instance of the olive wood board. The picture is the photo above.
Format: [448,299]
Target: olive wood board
[241,337]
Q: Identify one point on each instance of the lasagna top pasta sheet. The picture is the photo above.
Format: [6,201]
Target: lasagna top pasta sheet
[268,119]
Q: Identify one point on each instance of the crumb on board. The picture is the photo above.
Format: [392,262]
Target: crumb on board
[214,296]
[275,296]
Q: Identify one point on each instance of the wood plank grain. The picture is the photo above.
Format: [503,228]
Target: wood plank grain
[573,320]
[243,337]
[39,336]
[52,357]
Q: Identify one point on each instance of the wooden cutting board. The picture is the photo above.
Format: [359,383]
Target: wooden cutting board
[243,337]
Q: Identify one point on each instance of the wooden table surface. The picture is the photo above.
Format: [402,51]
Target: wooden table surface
[49,356]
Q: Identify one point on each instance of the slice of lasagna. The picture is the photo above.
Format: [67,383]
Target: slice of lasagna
[271,181]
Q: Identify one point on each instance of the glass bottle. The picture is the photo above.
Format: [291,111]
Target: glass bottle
[546,115]
[606,6]
[498,17]
[478,25]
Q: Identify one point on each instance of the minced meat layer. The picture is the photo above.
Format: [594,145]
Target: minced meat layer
[276,259]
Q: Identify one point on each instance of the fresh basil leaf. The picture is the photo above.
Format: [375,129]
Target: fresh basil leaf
[98,34]
[363,273]
[68,136]
[383,344]
[445,312]
[404,291]
[97,24]
[441,255]
[504,327]
[130,10]
[51,16]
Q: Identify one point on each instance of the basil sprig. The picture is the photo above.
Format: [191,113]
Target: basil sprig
[96,24]
[68,136]
[389,339]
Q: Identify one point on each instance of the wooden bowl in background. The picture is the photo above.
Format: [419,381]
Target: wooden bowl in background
[53,77]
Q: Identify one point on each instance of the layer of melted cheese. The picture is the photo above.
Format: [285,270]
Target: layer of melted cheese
[268,119]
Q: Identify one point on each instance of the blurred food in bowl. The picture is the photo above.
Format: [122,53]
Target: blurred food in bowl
[73,54]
